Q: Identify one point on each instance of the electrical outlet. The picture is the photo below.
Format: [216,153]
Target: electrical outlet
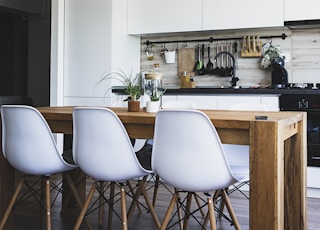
[287,57]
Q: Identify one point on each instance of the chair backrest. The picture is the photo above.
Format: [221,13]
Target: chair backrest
[179,105]
[187,151]
[101,145]
[28,143]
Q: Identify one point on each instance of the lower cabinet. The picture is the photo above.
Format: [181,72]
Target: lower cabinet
[225,102]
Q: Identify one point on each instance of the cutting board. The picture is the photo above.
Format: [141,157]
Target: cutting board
[186,61]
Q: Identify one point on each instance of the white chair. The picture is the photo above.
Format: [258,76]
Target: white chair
[238,155]
[103,150]
[188,154]
[29,146]
[171,105]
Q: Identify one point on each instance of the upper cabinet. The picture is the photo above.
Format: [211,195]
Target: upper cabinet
[165,16]
[230,14]
[301,10]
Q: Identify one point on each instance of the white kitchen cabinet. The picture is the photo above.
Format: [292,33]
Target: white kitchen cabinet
[227,101]
[201,101]
[155,16]
[271,102]
[301,10]
[224,102]
[230,14]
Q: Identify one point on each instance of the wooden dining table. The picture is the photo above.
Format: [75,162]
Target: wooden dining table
[277,158]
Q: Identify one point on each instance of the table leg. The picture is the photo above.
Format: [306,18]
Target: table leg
[277,177]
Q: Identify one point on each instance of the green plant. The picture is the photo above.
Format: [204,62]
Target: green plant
[156,94]
[132,83]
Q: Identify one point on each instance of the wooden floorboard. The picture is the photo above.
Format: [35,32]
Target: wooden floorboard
[27,214]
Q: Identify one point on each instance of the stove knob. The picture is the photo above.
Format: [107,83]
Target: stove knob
[303,104]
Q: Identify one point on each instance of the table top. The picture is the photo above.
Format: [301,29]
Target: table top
[217,116]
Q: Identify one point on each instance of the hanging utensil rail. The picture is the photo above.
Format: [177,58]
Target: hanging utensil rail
[211,39]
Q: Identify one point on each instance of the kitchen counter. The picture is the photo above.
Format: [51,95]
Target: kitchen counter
[217,90]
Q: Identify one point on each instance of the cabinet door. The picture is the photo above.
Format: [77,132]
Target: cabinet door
[231,14]
[202,102]
[271,102]
[154,16]
[301,10]
[226,102]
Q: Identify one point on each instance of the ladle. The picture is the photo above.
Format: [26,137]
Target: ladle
[209,64]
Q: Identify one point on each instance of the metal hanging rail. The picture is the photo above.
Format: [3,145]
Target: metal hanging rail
[211,39]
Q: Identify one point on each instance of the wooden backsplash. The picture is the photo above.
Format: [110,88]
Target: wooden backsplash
[303,47]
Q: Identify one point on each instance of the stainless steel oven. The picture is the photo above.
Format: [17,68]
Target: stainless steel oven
[311,104]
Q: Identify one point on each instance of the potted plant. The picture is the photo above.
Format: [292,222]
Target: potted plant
[153,105]
[133,87]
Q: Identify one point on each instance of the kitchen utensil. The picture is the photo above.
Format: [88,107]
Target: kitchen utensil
[254,46]
[186,61]
[229,69]
[209,64]
[244,44]
[249,44]
[216,69]
[258,44]
[221,69]
[198,64]
[226,72]
[202,71]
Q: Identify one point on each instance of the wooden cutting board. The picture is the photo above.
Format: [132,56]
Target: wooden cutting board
[186,61]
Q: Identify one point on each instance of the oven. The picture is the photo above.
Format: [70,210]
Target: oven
[311,104]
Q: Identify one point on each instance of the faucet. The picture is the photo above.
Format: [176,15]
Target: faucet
[234,79]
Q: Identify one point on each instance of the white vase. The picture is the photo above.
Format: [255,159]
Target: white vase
[152,106]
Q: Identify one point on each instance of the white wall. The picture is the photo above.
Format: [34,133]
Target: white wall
[90,39]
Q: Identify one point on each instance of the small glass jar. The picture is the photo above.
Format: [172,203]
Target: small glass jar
[153,83]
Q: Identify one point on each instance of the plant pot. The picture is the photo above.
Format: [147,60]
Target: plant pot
[152,106]
[133,106]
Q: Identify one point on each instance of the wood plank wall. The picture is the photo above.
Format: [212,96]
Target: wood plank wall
[303,47]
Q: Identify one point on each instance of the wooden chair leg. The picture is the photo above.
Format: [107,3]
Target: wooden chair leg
[230,210]
[196,197]
[48,204]
[150,206]
[214,201]
[101,204]
[123,208]
[211,214]
[187,212]
[133,193]
[11,203]
[179,210]
[169,211]
[155,190]
[111,201]
[76,196]
[85,206]
[222,205]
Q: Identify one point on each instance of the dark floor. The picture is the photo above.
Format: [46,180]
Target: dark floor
[27,215]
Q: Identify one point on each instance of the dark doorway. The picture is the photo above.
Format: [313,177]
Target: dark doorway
[25,52]
[13,54]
